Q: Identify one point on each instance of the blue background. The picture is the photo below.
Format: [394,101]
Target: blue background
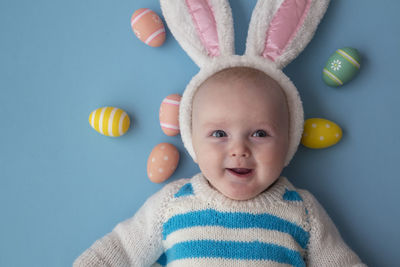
[63,185]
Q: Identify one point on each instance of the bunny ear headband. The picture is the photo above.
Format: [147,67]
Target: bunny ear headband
[279,30]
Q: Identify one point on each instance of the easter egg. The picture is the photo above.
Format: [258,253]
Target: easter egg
[341,67]
[320,133]
[169,114]
[148,27]
[109,121]
[162,162]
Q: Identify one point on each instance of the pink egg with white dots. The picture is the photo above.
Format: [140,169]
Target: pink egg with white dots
[162,162]
[169,114]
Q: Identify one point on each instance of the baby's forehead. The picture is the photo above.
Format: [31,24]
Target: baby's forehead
[239,81]
[228,95]
[239,74]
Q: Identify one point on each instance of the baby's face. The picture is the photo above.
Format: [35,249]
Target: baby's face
[240,127]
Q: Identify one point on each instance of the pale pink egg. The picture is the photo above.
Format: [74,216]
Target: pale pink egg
[162,162]
[169,114]
[148,27]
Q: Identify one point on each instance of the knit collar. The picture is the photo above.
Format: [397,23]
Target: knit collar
[203,189]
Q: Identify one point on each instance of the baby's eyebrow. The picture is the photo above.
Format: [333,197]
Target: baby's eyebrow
[270,126]
[263,124]
[214,124]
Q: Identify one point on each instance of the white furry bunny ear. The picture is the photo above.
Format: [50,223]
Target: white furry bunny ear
[203,28]
[280,29]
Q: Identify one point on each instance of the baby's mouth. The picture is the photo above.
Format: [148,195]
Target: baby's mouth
[240,172]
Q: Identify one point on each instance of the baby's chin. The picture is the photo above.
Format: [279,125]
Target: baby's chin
[240,188]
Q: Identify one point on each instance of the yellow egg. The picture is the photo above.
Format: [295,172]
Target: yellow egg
[320,133]
[162,162]
[109,121]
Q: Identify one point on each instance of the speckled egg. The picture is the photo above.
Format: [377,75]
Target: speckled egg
[169,114]
[162,162]
[109,121]
[148,27]
[320,133]
[341,67]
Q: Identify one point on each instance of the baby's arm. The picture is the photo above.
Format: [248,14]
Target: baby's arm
[326,247]
[134,242]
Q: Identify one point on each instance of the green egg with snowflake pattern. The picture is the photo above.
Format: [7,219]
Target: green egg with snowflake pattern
[341,67]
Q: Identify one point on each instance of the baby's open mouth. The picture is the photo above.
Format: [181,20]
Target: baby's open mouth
[241,172]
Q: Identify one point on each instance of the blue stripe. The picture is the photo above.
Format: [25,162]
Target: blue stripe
[240,220]
[292,196]
[185,190]
[233,250]
[162,260]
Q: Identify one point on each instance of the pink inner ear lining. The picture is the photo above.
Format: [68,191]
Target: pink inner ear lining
[206,26]
[284,27]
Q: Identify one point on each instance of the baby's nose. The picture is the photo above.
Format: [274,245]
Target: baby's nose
[245,155]
[239,150]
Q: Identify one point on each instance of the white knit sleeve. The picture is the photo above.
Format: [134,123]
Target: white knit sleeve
[326,246]
[134,242]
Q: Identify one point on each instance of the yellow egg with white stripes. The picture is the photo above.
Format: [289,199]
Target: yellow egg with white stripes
[320,133]
[109,121]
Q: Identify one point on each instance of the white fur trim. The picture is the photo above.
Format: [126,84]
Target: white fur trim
[261,18]
[223,17]
[296,114]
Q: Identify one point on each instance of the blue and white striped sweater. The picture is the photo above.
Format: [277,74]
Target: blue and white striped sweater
[196,230]
[189,223]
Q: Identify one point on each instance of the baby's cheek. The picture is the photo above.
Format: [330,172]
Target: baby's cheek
[267,159]
[270,155]
[211,152]
[209,156]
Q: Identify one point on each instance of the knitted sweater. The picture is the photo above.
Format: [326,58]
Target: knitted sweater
[189,223]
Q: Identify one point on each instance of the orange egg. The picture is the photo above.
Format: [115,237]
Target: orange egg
[169,114]
[148,27]
[162,162]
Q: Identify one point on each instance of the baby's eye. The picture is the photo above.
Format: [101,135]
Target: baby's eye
[218,133]
[260,133]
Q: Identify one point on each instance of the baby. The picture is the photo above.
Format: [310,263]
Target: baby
[238,211]
[240,131]
[241,119]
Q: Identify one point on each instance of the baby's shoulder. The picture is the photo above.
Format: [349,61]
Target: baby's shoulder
[314,210]
[307,197]
[174,189]
[160,200]
[292,192]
